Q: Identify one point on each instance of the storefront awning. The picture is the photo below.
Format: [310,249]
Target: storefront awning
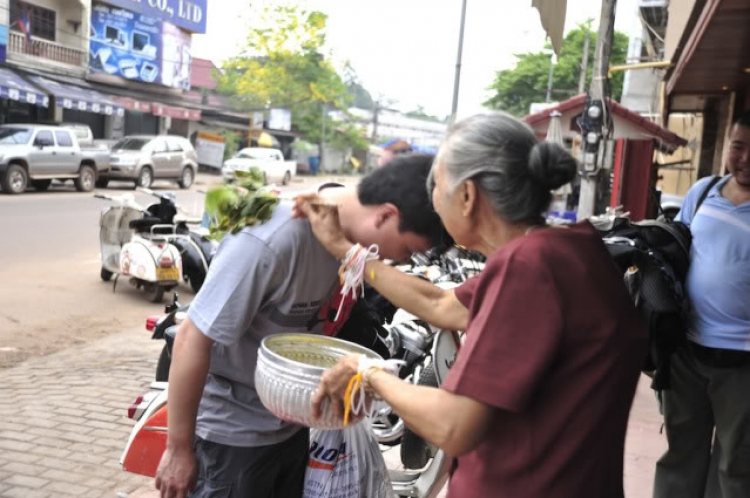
[81,99]
[14,87]
[175,112]
[244,128]
[149,102]
[133,104]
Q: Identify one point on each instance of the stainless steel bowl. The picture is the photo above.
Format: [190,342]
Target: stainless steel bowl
[288,372]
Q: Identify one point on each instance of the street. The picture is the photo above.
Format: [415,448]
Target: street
[51,293]
[74,355]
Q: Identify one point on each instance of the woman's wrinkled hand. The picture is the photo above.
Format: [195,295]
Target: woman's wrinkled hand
[324,220]
[333,386]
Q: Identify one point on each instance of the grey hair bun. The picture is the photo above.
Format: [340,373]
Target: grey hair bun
[551,165]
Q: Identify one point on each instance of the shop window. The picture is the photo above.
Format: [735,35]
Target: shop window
[63,139]
[43,21]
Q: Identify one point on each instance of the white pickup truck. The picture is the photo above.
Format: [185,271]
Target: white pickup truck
[37,154]
[270,161]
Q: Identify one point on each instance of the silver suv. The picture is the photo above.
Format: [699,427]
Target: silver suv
[38,154]
[145,158]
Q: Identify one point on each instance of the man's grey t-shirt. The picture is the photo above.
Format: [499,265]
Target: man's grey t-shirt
[265,280]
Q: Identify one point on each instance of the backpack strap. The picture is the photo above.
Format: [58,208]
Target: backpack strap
[703,196]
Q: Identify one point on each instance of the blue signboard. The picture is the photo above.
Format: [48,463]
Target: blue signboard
[187,14]
[125,44]
[3,42]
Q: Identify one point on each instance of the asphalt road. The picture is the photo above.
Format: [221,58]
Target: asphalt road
[51,295]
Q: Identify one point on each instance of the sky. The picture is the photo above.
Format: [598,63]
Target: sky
[405,50]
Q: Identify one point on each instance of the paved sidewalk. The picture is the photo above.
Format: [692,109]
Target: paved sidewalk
[64,421]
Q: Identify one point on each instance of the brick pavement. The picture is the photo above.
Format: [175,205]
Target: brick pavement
[64,422]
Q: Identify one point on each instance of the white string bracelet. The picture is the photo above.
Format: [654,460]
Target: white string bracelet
[352,272]
[368,366]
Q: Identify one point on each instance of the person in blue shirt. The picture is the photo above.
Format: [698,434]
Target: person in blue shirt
[710,375]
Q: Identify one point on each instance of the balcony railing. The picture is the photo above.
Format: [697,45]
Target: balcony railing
[17,43]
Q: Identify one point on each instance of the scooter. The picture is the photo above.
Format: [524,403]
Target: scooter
[196,249]
[137,245]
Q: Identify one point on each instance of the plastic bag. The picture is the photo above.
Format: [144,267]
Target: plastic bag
[346,463]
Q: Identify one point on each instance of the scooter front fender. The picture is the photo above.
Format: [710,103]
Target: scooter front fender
[148,439]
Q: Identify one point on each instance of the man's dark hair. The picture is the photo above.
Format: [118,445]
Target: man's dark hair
[402,182]
[743,119]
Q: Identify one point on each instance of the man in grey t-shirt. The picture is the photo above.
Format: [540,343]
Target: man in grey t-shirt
[264,280]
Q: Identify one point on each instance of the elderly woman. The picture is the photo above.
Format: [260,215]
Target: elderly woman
[537,402]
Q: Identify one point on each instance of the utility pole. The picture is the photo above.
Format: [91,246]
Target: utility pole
[323,136]
[375,112]
[584,62]
[594,122]
[551,75]
[457,80]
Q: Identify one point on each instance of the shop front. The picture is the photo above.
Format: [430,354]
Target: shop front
[140,54]
[177,119]
[20,101]
[74,104]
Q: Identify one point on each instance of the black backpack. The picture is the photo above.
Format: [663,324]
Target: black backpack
[654,257]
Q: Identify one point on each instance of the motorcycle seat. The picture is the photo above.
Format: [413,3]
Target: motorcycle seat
[144,225]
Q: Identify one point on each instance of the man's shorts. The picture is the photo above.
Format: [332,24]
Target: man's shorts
[277,470]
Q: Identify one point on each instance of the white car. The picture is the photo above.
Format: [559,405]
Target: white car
[270,161]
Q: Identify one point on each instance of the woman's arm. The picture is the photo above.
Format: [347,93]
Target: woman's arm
[454,423]
[436,306]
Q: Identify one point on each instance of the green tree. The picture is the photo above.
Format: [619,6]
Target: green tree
[284,65]
[514,90]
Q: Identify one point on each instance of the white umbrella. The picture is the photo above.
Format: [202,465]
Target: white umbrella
[554,132]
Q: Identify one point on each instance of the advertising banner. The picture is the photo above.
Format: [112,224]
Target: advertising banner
[280,119]
[175,65]
[210,149]
[137,47]
[125,44]
[187,14]
[3,42]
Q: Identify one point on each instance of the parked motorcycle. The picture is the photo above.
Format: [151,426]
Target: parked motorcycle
[137,245]
[165,328]
[428,354]
[196,249]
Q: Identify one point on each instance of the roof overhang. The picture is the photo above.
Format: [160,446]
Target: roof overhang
[632,126]
[715,53]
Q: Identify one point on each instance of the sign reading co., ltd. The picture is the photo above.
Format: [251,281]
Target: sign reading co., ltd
[187,14]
